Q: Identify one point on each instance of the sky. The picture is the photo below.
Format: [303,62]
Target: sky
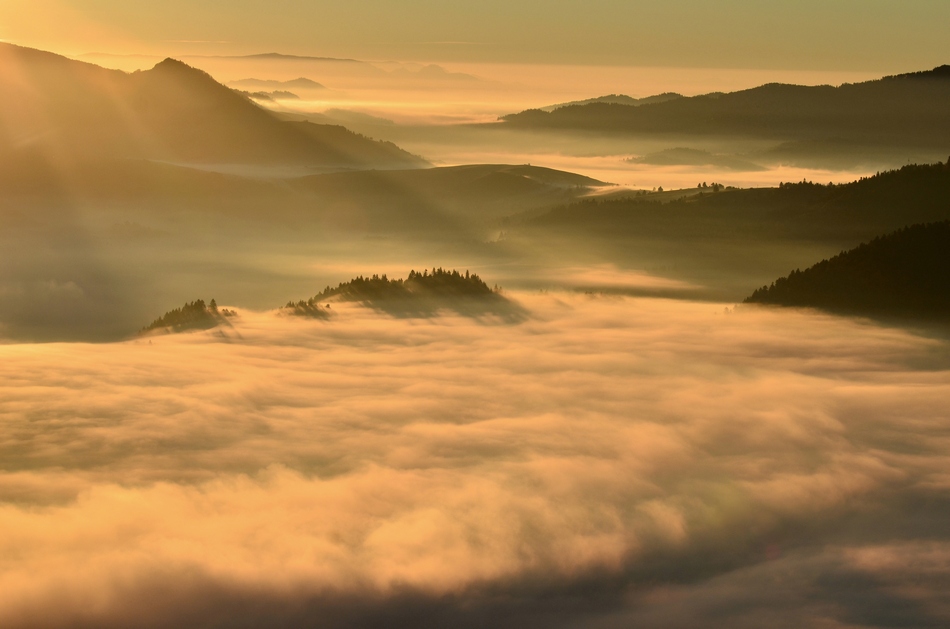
[853,35]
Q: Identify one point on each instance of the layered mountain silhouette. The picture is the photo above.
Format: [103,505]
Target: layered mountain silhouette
[907,108]
[270,84]
[286,57]
[447,199]
[271,96]
[904,274]
[173,112]
[474,182]
[727,240]
[618,99]
[869,206]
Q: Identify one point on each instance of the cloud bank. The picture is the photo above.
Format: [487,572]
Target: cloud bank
[608,462]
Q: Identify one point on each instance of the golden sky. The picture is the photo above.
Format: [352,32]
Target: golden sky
[866,35]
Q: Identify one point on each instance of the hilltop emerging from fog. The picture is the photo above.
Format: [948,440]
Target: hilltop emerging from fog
[904,274]
[195,315]
[420,294]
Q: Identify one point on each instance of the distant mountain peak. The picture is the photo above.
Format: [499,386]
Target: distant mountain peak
[171,64]
[278,55]
[174,65]
[178,71]
[299,83]
[170,112]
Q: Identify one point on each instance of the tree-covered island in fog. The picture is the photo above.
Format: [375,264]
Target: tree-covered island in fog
[420,294]
[194,315]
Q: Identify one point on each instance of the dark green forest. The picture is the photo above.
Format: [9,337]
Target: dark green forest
[419,295]
[422,294]
[194,315]
[438,283]
[904,274]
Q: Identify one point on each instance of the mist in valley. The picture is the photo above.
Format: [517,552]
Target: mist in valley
[609,460]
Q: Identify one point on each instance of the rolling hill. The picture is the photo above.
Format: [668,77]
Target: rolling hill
[904,274]
[73,111]
[862,209]
[732,239]
[618,99]
[270,84]
[446,199]
[469,199]
[903,109]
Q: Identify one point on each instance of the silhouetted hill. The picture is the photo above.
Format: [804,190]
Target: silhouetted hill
[730,239]
[939,73]
[270,84]
[270,96]
[619,99]
[285,57]
[172,112]
[451,203]
[419,295]
[479,192]
[480,180]
[433,72]
[195,315]
[886,201]
[909,108]
[904,274]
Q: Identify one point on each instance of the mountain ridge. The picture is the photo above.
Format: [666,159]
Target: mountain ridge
[619,99]
[906,108]
[171,112]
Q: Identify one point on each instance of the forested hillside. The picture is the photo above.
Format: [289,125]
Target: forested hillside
[903,274]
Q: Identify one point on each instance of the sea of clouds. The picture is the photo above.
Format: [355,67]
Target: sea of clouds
[607,462]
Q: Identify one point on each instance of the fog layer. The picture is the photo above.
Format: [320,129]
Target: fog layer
[609,461]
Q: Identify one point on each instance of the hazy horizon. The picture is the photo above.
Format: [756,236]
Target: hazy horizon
[875,35]
[424,109]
